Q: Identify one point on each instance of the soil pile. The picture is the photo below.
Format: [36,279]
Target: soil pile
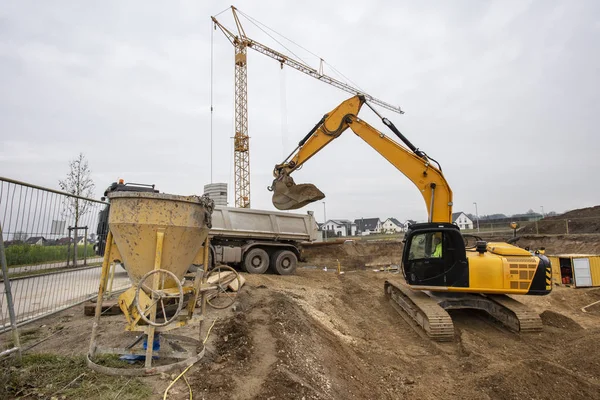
[583,220]
[563,244]
[353,254]
[320,335]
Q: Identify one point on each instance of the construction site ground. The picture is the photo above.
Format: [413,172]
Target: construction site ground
[320,335]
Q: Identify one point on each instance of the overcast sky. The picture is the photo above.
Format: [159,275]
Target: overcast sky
[504,94]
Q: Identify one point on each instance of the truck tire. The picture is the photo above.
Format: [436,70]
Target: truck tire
[256,261]
[284,262]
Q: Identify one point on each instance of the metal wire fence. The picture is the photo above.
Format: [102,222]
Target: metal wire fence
[49,240]
[544,226]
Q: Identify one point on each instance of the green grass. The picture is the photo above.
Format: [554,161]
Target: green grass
[50,376]
[26,254]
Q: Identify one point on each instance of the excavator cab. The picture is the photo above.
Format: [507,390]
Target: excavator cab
[434,255]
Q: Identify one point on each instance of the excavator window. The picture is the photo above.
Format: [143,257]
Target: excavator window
[426,245]
[434,255]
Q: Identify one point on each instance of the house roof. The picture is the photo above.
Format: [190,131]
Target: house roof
[395,221]
[458,214]
[341,221]
[35,239]
[410,221]
[364,224]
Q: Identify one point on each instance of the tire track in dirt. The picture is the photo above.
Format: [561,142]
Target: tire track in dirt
[249,385]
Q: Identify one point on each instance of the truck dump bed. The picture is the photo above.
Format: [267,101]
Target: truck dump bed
[246,223]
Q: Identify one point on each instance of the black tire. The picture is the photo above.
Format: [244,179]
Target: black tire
[256,261]
[284,262]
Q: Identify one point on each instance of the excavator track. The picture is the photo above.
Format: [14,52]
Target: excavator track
[527,319]
[418,308]
[429,310]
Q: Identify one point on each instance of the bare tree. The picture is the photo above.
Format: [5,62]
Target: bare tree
[78,183]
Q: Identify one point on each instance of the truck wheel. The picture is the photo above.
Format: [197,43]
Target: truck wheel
[284,262]
[256,261]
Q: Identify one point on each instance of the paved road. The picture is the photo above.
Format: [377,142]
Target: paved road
[58,264]
[43,293]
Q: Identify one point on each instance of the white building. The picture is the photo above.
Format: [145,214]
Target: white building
[461,219]
[367,226]
[392,225]
[340,227]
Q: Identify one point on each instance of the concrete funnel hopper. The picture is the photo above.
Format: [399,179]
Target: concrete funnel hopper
[136,218]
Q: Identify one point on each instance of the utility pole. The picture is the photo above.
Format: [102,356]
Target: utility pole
[477,215]
[325,218]
[542,207]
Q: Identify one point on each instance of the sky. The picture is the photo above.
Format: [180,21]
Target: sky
[504,94]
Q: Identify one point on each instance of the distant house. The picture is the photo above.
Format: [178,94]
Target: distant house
[36,240]
[392,225]
[63,241]
[462,220]
[339,227]
[367,226]
[408,223]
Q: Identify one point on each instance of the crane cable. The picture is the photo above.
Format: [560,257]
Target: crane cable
[257,22]
[213,27]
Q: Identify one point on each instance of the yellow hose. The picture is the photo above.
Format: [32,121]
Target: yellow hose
[186,370]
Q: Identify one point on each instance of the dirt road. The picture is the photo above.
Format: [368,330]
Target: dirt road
[319,335]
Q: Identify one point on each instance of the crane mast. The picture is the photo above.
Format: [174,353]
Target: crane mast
[241,43]
[241,140]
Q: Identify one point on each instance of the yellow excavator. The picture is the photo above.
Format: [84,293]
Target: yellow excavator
[443,269]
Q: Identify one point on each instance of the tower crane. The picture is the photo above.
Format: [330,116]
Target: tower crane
[241,42]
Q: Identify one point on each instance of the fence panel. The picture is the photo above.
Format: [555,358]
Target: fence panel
[49,241]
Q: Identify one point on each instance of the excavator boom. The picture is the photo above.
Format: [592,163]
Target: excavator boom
[412,162]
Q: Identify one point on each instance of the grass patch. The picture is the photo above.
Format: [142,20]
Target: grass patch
[51,376]
[26,254]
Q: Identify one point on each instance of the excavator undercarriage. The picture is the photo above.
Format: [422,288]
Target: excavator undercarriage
[426,310]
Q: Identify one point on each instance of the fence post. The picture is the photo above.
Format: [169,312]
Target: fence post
[567,225]
[537,231]
[69,247]
[85,245]
[75,245]
[9,300]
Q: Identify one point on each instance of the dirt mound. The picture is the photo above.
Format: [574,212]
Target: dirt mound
[560,244]
[353,254]
[320,335]
[583,220]
[577,354]
[557,320]
[537,379]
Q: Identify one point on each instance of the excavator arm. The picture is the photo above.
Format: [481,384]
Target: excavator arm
[409,160]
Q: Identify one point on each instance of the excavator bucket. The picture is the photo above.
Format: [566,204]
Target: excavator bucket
[287,195]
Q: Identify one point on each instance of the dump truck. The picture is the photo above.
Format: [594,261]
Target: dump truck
[257,240]
[253,240]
